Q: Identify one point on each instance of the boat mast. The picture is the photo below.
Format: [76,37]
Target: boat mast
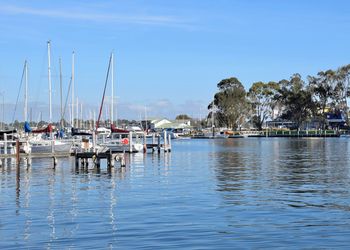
[145,119]
[81,115]
[77,113]
[26,91]
[112,79]
[61,92]
[49,79]
[73,101]
[103,96]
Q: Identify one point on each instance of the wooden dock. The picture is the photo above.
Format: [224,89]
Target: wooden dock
[12,150]
[157,145]
[96,157]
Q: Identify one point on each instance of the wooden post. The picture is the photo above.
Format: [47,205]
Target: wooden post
[76,161]
[93,140]
[165,141]
[98,162]
[54,162]
[144,143]
[108,158]
[112,160]
[130,142]
[17,152]
[169,143]
[158,146]
[122,161]
[29,161]
[5,143]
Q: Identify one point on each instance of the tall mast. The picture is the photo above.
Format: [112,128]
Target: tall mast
[61,92]
[112,79]
[73,101]
[103,96]
[26,91]
[77,112]
[49,79]
[145,119]
[81,115]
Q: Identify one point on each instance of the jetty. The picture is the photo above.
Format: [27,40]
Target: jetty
[298,133]
[12,149]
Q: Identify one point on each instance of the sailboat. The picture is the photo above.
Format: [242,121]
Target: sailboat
[120,139]
[44,142]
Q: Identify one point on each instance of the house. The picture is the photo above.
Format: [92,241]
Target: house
[163,123]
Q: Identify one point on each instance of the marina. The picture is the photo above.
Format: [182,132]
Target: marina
[174,125]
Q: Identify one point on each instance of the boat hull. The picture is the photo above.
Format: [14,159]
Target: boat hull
[47,148]
[137,147]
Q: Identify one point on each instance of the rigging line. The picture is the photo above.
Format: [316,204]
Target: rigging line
[104,92]
[67,96]
[19,91]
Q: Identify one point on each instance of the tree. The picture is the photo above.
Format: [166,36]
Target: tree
[261,99]
[229,103]
[344,77]
[330,90]
[298,105]
[183,117]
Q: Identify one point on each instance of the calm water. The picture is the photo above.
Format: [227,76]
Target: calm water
[206,194]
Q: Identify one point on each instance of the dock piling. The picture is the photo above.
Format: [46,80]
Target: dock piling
[169,143]
[158,144]
[17,153]
[165,146]
[130,142]
[5,144]
[54,161]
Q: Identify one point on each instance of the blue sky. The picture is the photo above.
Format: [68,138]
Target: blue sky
[169,54]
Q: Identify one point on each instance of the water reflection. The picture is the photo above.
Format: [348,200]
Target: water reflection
[205,194]
[18,187]
[291,171]
[236,163]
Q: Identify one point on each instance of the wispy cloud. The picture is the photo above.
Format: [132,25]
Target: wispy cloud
[94,16]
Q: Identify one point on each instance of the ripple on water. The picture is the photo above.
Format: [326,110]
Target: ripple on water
[206,194]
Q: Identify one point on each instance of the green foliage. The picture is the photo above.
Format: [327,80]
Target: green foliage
[183,117]
[260,97]
[292,99]
[230,104]
[296,99]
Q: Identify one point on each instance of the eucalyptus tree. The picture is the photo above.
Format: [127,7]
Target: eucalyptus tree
[322,88]
[260,97]
[230,102]
[344,80]
[296,98]
[330,90]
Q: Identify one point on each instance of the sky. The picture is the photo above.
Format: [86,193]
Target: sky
[169,55]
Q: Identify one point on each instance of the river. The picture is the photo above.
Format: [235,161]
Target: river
[205,194]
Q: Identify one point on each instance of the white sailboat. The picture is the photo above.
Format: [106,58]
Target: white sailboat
[39,144]
[121,140]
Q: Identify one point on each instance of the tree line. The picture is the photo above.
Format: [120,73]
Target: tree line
[292,99]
